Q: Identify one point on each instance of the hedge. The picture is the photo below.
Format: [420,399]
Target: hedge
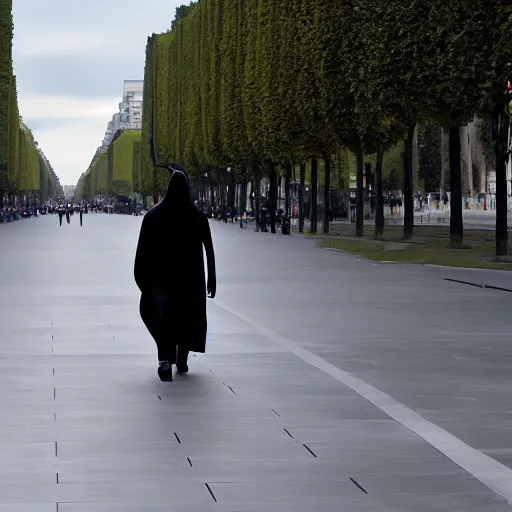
[28,162]
[123,159]
[111,171]
[23,168]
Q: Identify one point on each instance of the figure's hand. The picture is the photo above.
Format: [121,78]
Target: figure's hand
[211,287]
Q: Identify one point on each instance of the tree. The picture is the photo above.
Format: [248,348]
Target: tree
[429,140]
[14,141]
[466,39]
[318,138]
[497,102]
[356,91]
[151,183]
[6,34]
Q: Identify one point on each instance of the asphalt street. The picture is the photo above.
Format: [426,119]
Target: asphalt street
[330,383]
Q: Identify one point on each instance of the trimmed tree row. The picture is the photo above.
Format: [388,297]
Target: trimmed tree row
[114,170]
[318,91]
[24,170]
[263,86]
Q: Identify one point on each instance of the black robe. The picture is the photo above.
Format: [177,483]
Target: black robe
[169,262]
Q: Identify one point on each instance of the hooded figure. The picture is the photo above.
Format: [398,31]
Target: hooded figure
[169,271]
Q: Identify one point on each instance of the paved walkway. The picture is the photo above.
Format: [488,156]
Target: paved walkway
[269,420]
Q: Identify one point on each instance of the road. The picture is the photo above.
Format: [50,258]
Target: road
[324,373]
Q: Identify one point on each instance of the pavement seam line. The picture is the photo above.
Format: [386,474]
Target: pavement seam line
[490,472]
[458,281]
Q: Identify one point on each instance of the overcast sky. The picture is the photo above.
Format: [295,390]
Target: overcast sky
[71,58]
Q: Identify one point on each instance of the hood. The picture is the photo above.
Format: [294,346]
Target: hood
[178,191]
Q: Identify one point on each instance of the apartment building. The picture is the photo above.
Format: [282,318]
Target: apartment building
[131,106]
[129,116]
[69,191]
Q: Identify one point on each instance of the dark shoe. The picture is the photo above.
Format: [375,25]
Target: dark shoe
[181,365]
[165,372]
[182,368]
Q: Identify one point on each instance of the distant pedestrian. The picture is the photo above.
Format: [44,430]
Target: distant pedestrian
[81,214]
[61,212]
[169,271]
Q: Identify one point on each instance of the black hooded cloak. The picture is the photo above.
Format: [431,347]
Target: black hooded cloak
[169,263]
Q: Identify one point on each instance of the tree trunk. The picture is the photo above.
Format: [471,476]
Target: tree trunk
[360,192]
[327,192]
[456,224]
[501,205]
[301,196]
[232,190]
[408,184]
[273,196]
[501,126]
[256,173]
[243,197]
[211,189]
[314,195]
[467,161]
[287,177]
[379,206]
[445,164]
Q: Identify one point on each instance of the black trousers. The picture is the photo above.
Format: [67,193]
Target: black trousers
[68,218]
[81,214]
[156,313]
[60,218]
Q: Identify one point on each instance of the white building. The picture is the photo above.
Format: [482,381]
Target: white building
[129,116]
[131,106]
[69,191]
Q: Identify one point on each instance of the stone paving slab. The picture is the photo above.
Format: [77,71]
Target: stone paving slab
[87,426]
[439,347]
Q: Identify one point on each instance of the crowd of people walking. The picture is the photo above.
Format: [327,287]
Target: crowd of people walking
[63,210]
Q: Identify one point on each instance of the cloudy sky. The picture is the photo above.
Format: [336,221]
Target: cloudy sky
[71,58]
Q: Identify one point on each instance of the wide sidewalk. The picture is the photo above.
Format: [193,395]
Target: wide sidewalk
[271,419]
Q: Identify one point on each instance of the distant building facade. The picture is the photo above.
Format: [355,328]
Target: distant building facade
[129,116]
[69,191]
[131,106]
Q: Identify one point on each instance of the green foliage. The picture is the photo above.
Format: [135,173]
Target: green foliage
[29,174]
[136,163]
[112,169]
[44,174]
[238,82]
[122,173]
[393,168]
[429,145]
[22,167]
[80,187]
[181,11]
[438,68]
[234,142]
[6,32]
[485,134]
[14,122]
[147,170]
[151,182]
[163,74]
[4,129]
